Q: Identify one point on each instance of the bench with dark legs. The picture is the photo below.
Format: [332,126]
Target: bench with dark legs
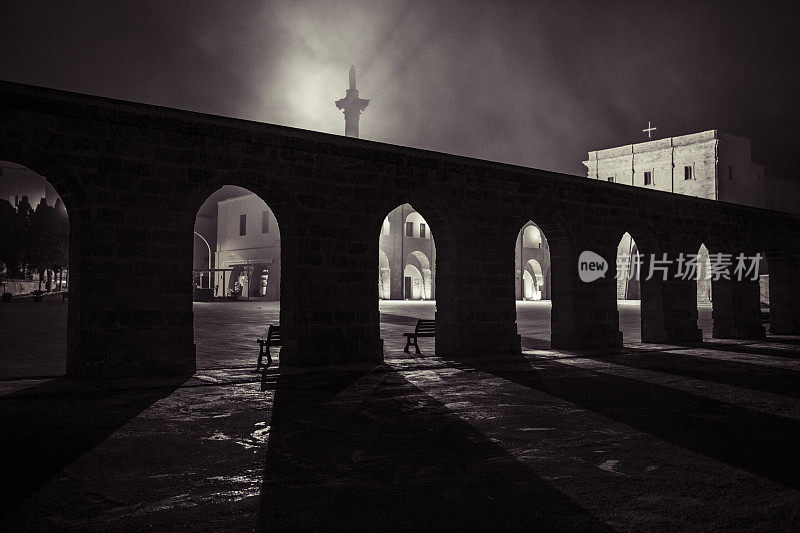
[273,339]
[424,328]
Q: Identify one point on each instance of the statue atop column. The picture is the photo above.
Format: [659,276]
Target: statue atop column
[352,106]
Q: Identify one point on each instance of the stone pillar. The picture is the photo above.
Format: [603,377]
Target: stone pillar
[130,308]
[784,294]
[669,306]
[584,313]
[736,309]
[329,299]
[475,306]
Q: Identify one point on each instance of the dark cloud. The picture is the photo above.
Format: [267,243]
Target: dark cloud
[537,84]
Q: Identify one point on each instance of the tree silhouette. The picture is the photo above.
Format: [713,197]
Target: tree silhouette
[33,239]
[47,239]
[10,239]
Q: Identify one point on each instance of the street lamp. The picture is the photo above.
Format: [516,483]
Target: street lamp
[209,259]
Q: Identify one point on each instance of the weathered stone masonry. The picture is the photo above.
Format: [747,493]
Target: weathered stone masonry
[133,177]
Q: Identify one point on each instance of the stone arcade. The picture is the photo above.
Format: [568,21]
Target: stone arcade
[119,166]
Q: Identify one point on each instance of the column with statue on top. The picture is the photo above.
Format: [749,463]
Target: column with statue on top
[352,106]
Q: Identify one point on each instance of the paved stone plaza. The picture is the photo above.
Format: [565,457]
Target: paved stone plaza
[657,437]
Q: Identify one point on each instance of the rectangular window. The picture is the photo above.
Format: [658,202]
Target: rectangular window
[242,224]
[611,179]
[409,229]
[264,221]
[730,172]
[687,172]
[422,231]
[648,178]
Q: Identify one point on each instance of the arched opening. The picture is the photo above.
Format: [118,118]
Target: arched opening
[406,240]
[628,269]
[532,285]
[704,278]
[418,262]
[533,280]
[34,274]
[532,256]
[236,276]
[631,269]
[406,276]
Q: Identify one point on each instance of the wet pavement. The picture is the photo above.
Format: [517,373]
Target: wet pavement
[656,437]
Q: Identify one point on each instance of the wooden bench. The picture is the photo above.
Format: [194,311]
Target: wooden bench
[424,328]
[273,339]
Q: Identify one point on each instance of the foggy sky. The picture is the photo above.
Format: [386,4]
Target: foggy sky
[536,84]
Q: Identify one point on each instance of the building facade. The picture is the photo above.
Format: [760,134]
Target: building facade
[709,164]
[248,249]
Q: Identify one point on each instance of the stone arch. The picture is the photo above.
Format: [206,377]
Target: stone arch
[534,280]
[705,246]
[395,250]
[260,249]
[50,264]
[424,266]
[247,245]
[532,245]
[276,191]
[703,281]
[638,303]
[439,225]
[628,268]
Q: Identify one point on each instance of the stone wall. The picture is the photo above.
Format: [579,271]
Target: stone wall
[119,167]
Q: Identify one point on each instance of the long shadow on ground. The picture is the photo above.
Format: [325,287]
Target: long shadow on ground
[48,426]
[760,443]
[370,451]
[746,375]
[783,339]
[748,348]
